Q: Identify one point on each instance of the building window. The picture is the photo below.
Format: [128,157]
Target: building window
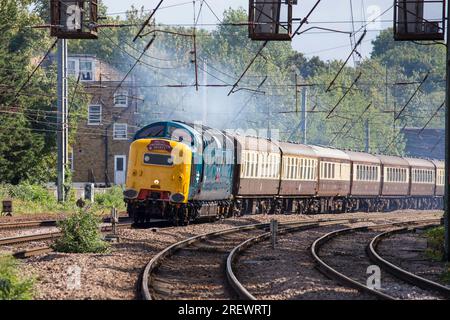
[95,115]
[120,131]
[70,160]
[121,98]
[72,68]
[86,70]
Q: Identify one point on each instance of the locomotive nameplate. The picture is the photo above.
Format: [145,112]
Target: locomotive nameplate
[159,145]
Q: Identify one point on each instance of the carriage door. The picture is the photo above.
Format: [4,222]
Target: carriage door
[119,169]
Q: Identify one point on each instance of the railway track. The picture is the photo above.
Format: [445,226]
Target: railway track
[10,241]
[397,271]
[200,267]
[42,223]
[345,254]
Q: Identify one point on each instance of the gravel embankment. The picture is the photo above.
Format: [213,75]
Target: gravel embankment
[346,254]
[289,272]
[408,251]
[115,275]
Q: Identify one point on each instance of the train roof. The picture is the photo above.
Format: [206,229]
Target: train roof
[297,149]
[439,164]
[257,144]
[414,162]
[356,156]
[393,160]
[323,152]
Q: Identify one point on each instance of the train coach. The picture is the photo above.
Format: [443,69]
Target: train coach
[183,172]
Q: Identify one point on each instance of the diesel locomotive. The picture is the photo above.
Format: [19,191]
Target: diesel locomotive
[183,172]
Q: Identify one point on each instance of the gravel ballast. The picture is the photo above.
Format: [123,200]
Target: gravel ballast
[115,275]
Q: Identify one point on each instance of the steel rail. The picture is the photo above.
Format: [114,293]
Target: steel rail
[237,286]
[170,250]
[232,279]
[42,223]
[48,235]
[30,238]
[32,252]
[28,224]
[345,280]
[398,272]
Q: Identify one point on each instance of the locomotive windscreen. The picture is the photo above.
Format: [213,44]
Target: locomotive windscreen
[151,132]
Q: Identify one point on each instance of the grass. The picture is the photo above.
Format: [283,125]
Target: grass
[35,199]
[81,234]
[435,251]
[435,241]
[12,285]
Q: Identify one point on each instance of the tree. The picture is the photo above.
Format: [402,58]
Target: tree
[27,103]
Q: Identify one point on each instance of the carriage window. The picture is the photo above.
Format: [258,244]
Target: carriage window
[254,165]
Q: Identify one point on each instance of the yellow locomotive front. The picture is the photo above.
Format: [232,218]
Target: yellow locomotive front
[158,175]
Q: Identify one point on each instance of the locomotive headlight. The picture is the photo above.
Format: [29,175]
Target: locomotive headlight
[156,182]
[177,197]
[130,194]
[147,158]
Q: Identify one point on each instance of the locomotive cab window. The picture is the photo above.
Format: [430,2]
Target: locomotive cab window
[156,131]
[180,135]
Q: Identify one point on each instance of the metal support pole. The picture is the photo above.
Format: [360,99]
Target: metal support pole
[114,220]
[274,231]
[62,118]
[205,92]
[447,143]
[367,149]
[304,114]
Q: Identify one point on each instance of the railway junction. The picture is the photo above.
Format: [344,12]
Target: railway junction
[230,162]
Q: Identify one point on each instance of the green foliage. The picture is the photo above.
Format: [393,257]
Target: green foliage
[12,285]
[446,275]
[27,119]
[436,249]
[81,234]
[36,199]
[113,197]
[32,193]
[435,238]
[28,152]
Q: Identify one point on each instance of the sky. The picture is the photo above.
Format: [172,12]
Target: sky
[332,14]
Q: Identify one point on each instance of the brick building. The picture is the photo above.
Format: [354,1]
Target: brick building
[100,152]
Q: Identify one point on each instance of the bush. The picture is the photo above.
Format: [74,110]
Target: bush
[81,234]
[33,193]
[12,286]
[36,199]
[435,238]
[113,197]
